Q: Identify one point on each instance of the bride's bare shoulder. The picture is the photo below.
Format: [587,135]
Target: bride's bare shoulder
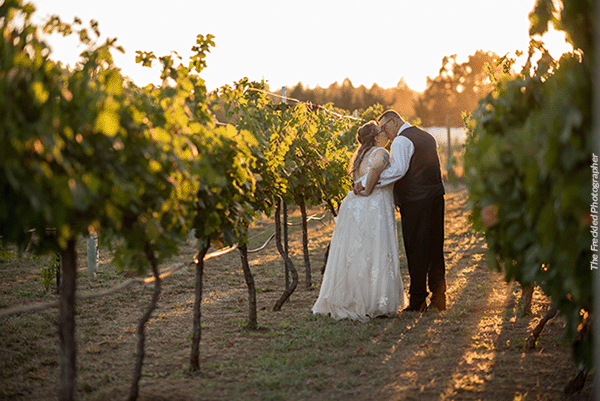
[381,154]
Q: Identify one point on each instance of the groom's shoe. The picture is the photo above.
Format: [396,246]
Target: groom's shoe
[438,302]
[416,307]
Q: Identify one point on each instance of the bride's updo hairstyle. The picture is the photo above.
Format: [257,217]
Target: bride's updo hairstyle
[365,136]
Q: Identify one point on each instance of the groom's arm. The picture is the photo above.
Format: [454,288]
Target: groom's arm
[402,150]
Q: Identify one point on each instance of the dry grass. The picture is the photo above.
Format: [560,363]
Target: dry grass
[474,350]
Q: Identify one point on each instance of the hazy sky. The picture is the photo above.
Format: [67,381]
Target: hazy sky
[316,42]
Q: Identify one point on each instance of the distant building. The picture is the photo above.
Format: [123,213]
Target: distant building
[457,135]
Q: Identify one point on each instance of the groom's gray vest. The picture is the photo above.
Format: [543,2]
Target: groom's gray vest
[424,178]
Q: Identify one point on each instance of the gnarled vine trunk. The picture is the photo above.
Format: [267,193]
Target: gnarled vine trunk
[527,297]
[197,328]
[288,261]
[134,391]
[535,334]
[305,244]
[252,320]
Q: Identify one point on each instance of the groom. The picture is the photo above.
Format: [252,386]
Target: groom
[419,193]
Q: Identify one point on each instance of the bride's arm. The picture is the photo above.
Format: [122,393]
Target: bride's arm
[378,162]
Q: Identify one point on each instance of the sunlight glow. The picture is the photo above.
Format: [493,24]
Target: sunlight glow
[394,347]
[554,41]
[482,346]
[339,41]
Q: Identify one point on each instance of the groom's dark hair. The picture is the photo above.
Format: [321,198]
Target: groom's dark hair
[389,114]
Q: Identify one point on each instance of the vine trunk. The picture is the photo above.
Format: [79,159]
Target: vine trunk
[134,391]
[66,322]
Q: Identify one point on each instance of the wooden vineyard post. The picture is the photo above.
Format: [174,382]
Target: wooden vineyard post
[449,144]
[92,256]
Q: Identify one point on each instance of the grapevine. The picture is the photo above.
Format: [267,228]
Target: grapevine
[527,163]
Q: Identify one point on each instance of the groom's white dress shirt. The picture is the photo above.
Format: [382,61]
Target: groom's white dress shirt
[402,150]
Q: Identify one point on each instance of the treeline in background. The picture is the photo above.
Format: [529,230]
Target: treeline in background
[456,90]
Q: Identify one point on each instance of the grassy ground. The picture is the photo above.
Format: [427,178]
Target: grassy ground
[473,351]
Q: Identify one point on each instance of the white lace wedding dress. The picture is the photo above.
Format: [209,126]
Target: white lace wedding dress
[362,276]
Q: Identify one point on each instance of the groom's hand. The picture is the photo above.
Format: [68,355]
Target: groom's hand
[357,188]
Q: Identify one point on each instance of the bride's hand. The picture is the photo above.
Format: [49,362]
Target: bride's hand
[358,188]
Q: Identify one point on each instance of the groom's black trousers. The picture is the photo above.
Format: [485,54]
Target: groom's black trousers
[423,233]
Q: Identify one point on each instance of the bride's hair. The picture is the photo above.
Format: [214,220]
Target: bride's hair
[366,138]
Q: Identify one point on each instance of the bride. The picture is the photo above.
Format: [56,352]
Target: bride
[362,276]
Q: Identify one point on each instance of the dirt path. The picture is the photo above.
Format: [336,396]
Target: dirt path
[472,351]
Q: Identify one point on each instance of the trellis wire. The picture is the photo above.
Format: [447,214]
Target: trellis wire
[168,272]
[305,103]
